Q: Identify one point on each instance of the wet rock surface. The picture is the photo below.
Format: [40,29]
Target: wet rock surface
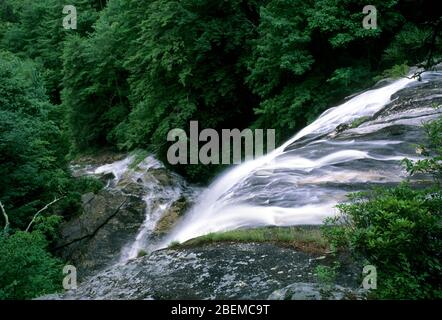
[317,291]
[95,238]
[171,217]
[117,222]
[217,271]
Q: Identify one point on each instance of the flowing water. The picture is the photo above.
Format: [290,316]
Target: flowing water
[299,183]
[142,180]
[302,181]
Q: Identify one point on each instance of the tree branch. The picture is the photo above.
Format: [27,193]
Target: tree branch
[424,68]
[40,211]
[5,216]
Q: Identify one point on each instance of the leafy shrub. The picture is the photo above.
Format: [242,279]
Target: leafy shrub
[27,270]
[431,165]
[141,253]
[174,245]
[327,274]
[398,230]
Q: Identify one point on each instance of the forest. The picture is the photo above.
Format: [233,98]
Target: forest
[133,70]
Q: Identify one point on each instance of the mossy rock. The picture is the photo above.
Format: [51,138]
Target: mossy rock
[357,122]
[99,158]
[171,216]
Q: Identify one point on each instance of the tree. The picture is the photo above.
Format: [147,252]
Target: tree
[33,146]
[34,171]
[27,270]
[153,66]
[189,64]
[34,30]
[96,91]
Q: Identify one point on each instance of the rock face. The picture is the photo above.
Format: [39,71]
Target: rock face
[118,221]
[171,217]
[94,239]
[220,271]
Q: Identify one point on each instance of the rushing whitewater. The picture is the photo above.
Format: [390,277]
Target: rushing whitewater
[143,179]
[302,181]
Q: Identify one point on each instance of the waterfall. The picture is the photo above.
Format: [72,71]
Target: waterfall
[302,181]
[158,196]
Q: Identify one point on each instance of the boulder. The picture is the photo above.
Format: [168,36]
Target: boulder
[317,291]
[161,175]
[171,217]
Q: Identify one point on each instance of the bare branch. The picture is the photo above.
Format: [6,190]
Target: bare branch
[40,211]
[418,74]
[5,216]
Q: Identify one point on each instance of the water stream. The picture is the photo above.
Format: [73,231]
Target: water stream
[141,180]
[298,183]
[302,181]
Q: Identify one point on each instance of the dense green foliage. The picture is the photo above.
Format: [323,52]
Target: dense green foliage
[398,230]
[33,164]
[95,90]
[27,269]
[33,29]
[135,70]
[33,167]
[33,146]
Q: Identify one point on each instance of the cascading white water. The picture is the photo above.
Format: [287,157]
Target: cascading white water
[158,200]
[154,211]
[293,185]
[157,197]
[117,168]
